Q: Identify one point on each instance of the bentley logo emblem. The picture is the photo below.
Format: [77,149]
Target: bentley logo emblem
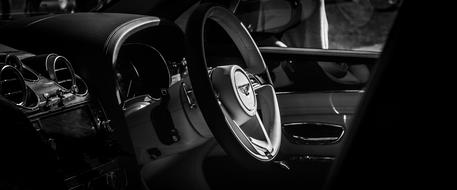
[244,89]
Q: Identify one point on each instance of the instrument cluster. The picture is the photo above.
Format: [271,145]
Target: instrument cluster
[141,69]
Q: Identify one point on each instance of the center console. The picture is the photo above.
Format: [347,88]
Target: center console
[68,118]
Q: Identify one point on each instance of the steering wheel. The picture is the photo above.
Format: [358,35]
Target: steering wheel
[238,104]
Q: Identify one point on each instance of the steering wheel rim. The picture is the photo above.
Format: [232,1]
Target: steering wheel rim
[239,107]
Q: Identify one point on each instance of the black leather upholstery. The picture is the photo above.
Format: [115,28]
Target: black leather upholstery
[399,130]
[26,161]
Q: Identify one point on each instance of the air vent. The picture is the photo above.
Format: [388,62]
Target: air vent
[82,88]
[14,61]
[12,85]
[62,72]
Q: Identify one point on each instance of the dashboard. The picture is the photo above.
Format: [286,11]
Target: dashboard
[108,101]
[64,113]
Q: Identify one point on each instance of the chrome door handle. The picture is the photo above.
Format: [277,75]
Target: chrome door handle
[313,132]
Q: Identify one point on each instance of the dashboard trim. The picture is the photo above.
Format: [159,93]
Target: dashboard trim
[121,33]
[320,52]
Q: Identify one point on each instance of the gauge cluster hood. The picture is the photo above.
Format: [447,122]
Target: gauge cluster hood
[91,40]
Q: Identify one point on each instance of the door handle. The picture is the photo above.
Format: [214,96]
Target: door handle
[313,132]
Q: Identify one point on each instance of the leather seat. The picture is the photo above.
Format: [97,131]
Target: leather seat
[26,162]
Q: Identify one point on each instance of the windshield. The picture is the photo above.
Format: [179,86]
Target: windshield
[13,9]
[361,25]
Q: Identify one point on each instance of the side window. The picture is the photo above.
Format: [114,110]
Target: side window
[359,26]
[14,9]
[326,24]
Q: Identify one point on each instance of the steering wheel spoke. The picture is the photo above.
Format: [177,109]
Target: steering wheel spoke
[231,115]
[262,147]
[252,133]
[267,115]
[250,143]
[266,142]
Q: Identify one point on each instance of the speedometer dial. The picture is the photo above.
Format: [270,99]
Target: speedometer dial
[127,78]
[141,69]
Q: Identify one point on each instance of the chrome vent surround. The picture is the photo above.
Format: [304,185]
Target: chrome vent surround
[14,61]
[12,85]
[61,71]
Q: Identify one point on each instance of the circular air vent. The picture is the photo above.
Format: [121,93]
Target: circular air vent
[14,61]
[12,85]
[61,71]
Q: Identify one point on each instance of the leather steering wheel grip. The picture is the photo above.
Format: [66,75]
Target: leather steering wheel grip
[216,114]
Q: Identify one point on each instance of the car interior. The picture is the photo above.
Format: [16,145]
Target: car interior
[189,94]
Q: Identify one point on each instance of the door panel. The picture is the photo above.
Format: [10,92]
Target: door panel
[331,108]
[314,106]
[318,70]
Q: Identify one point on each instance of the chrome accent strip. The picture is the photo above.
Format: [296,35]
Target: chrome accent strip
[43,19]
[321,52]
[52,71]
[34,107]
[121,33]
[114,42]
[318,140]
[320,92]
[312,158]
[188,92]
[20,77]
[85,84]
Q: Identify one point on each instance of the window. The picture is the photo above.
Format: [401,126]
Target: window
[327,24]
[13,9]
